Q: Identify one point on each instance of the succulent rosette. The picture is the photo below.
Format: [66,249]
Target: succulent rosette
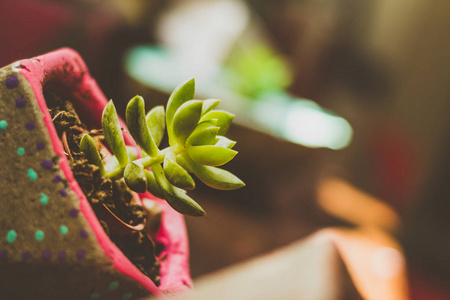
[197,145]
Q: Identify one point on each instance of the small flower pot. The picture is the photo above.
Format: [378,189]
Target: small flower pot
[52,245]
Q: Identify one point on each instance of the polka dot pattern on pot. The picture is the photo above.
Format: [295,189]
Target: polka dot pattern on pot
[32,174]
[11,237]
[17,105]
[30,125]
[62,255]
[64,229]
[39,235]
[48,227]
[21,102]
[46,255]
[3,124]
[26,255]
[44,199]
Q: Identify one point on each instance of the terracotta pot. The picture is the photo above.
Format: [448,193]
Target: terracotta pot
[52,245]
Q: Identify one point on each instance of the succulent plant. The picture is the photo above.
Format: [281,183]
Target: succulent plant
[197,145]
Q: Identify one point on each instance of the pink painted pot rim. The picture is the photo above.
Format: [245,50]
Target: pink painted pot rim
[66,69]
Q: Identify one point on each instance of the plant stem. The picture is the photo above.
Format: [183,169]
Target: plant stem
[115,174]
[147,161]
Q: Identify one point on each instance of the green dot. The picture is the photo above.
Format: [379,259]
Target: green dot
[113,286]
[95,296]
[63,229]
[32,174]
[127,296]
[3,124]
[21,151]
[11,236]
[44,199]
[39,235]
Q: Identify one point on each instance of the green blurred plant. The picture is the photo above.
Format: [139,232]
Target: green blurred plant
[197,144]
[255,69]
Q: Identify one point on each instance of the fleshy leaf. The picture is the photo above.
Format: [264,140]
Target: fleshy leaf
[211,155]
[214,177]
[137,125]
[152,186]
[224,119]
[135,177]
[224,142]
[113,134]
[209,104]
[203,134]
[87,145]
[181,94]
[176,174]
[182,162]
[156,123]
[185,120]
[176,197]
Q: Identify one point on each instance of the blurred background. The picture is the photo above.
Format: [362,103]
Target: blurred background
[342,110]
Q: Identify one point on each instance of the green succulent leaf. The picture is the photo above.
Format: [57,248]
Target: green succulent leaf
[213,122]
[176,174]
[203,134]
[214,177]
[185,120]
[135,177]
[197,145]
[209,104]
[156,123]
[211,155]
[223,118]
[88,147]
[137,125]
[153,186]
[181,94]
[176,197]
[113,134]
[182,162]
[224,142]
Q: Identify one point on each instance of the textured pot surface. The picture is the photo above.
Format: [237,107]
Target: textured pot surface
[51,243]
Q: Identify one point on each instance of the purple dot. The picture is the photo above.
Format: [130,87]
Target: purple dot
[47,164]
[84,234]
[81,254]
[74,212]
[40,146]
[3,254]
[21,102]
[26,255]
[63,193]
[57,179]
[61,255]
[46,255]
[30,125]
[12,82]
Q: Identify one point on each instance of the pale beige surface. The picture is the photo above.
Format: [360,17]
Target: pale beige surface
[334,263]
[310,269]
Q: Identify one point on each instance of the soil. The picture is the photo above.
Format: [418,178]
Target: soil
[100,190]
